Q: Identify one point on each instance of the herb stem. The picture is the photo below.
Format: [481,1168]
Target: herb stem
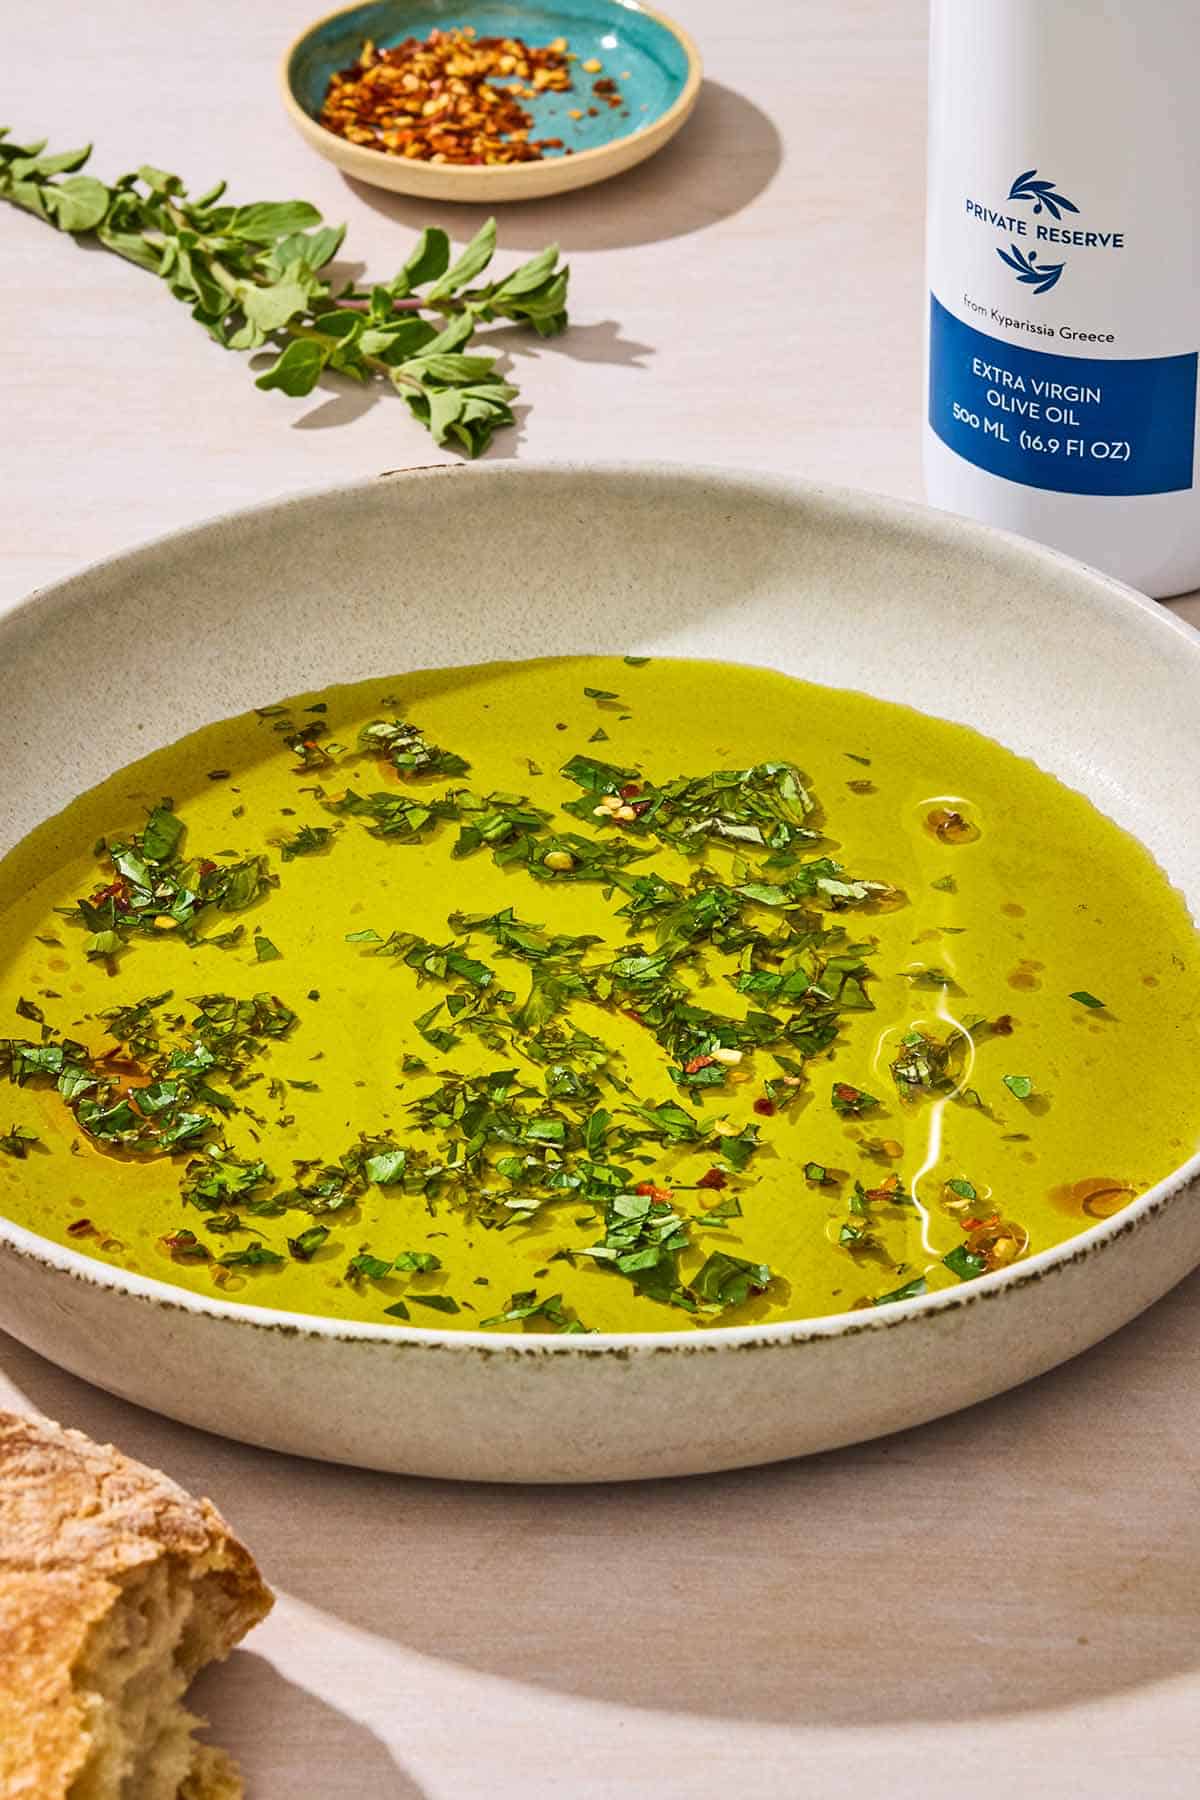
[250,275]
[375,363]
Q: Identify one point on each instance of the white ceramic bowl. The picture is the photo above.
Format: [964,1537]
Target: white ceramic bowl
[453,566]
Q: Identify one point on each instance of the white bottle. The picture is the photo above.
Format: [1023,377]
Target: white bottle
[1064,277]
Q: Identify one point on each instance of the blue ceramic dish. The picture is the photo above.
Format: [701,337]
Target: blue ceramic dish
[654,65]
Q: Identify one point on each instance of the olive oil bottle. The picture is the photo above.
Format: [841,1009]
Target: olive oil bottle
[1064,277]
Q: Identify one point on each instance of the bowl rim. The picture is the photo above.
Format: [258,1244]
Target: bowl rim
[362,156]
[29,1245]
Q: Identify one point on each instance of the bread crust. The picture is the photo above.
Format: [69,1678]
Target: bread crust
[78,1520]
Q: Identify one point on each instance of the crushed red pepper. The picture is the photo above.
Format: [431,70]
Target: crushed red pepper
[440,99]
[714,1178]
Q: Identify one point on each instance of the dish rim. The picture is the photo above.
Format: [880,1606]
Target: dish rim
[360,156]
[1104,1235]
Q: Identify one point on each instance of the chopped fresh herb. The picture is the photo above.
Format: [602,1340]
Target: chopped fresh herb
[929,977]
[182,1245]
[725,1280]
[728,1208]
[179,1105]
[363,1265]
[525,1306]
[644,1236]
[218,1177]
[153,890]
[1020,1085]
[387,1167]
[251,1256]
[964,1263]
[264,949]
[436,1302]
[436,962]
[17,1140]
[398,1310]
[408,750]
[909,1291]
[765,806]
[963,1189]
[420,1262]
[591,693]
[928,1064]
[305,1247]
[816,1173]
[945,884]
[851,1100]
[1085,999]
[308,841]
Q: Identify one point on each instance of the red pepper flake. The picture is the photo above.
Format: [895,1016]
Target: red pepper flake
[697,1063]
[81,1228]
[714,1178]
[630,789]
[888,1188]
[764,1107]
[631,1014]
[662,1195]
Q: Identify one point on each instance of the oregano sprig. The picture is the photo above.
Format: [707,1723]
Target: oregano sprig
[251,275]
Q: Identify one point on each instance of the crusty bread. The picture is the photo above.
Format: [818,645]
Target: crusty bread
[115,1588]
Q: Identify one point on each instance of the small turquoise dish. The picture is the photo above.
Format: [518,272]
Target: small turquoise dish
[654,64]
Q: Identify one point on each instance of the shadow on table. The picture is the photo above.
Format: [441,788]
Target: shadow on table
[726,155]
[1023,1555]
[252,1710]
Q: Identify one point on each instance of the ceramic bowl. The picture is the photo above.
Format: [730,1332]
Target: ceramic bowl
[655,64]
[1059,663]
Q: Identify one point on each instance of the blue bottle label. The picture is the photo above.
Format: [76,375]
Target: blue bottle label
[1074,424]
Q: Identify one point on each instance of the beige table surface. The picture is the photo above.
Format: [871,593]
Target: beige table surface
[1005,1603]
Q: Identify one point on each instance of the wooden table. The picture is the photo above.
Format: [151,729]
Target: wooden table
[1007,1602]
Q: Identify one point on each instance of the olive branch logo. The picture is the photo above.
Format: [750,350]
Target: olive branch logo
[1041,277]
[1042,193]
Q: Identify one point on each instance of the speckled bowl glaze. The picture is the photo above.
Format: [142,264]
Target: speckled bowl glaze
[456,565]
[655,64]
